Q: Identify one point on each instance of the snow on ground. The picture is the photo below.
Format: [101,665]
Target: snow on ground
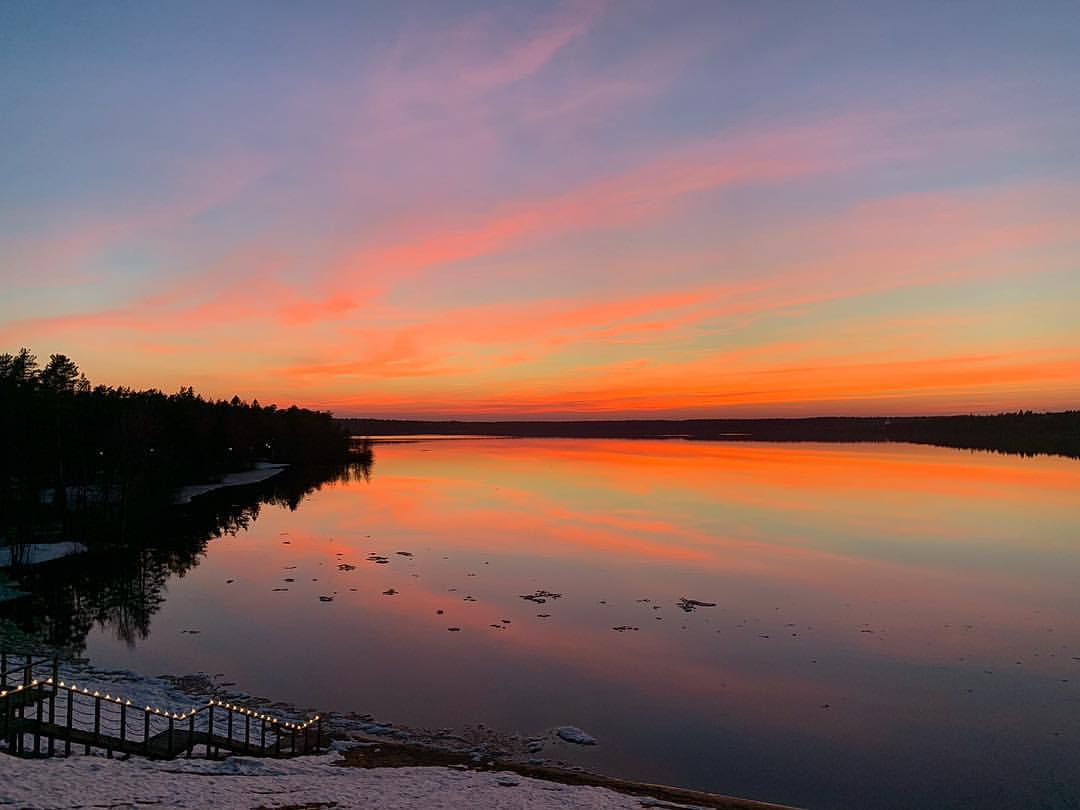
[35,553]
[241,782]
[262,472]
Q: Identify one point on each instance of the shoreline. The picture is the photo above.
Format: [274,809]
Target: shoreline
[359,742]
[262,471]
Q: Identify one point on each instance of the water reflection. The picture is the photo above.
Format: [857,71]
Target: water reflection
[894,625]
[132,550]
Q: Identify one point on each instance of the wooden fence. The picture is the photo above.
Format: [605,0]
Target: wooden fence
[41,715]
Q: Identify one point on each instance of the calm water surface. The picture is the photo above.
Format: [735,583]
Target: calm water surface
[894,626]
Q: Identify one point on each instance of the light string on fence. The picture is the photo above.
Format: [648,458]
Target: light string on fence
[73,688]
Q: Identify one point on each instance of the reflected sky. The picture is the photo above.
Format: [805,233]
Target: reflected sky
[893,625]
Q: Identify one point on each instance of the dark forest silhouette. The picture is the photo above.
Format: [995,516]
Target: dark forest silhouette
[68,442]
[1024,432]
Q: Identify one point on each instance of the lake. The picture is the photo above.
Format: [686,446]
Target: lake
[884,625]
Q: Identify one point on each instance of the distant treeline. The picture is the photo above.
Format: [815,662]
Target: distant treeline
[60,432]
[1024,432]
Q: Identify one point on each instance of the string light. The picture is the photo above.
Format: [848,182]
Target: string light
[73,688]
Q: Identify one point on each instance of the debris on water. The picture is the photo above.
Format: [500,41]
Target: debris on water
[326,599]
[378,559]
[346,567]
[575,735]
[454,629]
[279,589]
[690,605]
[762,635]
[288,579]
[389,592]
[543,615]
[497,626]
[404,553]
[644,600]
[540,596]
[438,613]
[290,567]
[622,628]
[469,599]
[505,621]
[230,581]
[190,632]
[826,705]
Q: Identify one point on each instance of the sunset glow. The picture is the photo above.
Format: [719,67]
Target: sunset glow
[554,210]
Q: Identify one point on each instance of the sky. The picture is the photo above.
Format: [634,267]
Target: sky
[588,209]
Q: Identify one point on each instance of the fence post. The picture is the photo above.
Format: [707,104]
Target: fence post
[52,717]
[97,719]
[247,733]
[228,726]
[123,726]
[37,720]
[70,722]
[146,731]
[318,734]
[191,734]
[210,731]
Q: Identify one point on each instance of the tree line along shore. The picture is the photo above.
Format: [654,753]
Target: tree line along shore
[1022,432]
[61,434]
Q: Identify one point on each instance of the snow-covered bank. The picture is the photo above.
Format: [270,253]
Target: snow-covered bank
[263,471]
[36,553]
[309,781]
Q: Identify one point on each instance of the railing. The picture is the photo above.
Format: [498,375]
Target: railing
[41,715]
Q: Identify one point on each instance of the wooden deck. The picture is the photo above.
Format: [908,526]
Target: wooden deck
[43,716]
